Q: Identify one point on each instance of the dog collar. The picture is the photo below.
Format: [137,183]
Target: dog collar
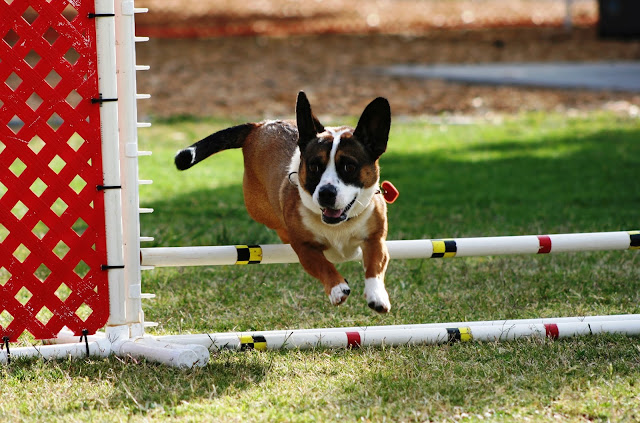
[290,180]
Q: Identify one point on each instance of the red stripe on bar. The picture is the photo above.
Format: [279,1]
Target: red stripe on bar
[552,330]
[353,339]
[545,244]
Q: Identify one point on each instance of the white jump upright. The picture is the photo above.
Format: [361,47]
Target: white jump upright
[125,332]
[125,335]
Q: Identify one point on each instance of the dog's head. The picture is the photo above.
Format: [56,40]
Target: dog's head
[338,166]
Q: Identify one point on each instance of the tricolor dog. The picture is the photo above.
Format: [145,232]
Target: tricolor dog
[318,188]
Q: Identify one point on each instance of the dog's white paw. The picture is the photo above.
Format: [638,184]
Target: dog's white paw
[376,295]
[339,293]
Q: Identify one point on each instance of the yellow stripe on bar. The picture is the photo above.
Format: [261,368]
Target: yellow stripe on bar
[444,248]
[634,241]
[462,334]
[257,342]
[249,254]
[465,334]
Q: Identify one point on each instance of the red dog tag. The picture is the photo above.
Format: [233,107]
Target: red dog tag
[389,192]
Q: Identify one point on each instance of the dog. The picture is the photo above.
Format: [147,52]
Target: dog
[318,188]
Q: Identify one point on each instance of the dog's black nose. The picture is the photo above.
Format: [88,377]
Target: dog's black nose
[327,195]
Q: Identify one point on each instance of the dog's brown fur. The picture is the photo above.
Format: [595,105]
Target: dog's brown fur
[274,186]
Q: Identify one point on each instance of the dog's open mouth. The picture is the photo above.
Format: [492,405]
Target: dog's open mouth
[334,216]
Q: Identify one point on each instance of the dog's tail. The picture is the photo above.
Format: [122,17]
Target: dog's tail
[233,137]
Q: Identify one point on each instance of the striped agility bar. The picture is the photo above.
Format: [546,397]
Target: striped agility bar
[408,249]
[416,334]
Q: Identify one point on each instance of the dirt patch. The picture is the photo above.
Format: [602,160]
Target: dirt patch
[259,77]
[186,18]
[330,49]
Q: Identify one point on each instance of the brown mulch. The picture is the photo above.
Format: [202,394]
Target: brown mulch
[257,76]
[188,18]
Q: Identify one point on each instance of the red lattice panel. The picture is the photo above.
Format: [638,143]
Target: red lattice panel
[52,223]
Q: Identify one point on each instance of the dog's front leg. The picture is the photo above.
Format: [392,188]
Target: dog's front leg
[312,258]
[375,258]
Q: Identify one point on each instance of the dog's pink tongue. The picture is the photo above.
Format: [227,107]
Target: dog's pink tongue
[332,213]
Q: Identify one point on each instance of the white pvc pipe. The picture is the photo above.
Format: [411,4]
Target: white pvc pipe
[408,335]
[409,249]
[201,352]
[175,357]
[97,348]
[117,341]
[186,351]
[183,356]
[127,119]
[105,42]
[502,323]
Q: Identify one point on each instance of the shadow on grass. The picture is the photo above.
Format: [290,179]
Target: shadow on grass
[141,387]
[204,217]
[577,184]
[568,184]
[458,375]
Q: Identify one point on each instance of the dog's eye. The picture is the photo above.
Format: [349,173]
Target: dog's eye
[314,167]
[349,168]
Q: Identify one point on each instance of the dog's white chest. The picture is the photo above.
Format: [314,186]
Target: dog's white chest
[343,250]
[343,240]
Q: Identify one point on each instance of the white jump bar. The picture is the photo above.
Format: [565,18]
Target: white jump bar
[409,249]
[438,333]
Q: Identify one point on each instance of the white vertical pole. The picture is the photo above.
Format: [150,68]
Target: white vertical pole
[127,117]
[128,156]
[105,42]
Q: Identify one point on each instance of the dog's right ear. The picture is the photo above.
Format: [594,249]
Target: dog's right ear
[374,125]
[308,125]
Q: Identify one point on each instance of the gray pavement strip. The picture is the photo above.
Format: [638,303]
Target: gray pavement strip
[613,76]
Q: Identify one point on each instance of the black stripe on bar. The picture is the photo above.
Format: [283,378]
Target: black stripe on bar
[450,246]
[454,334]
[243,254]
[246,347]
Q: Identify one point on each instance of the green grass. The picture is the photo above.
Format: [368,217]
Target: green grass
[528,175]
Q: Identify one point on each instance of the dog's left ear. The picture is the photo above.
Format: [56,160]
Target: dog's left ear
[374,125]
[308,125]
